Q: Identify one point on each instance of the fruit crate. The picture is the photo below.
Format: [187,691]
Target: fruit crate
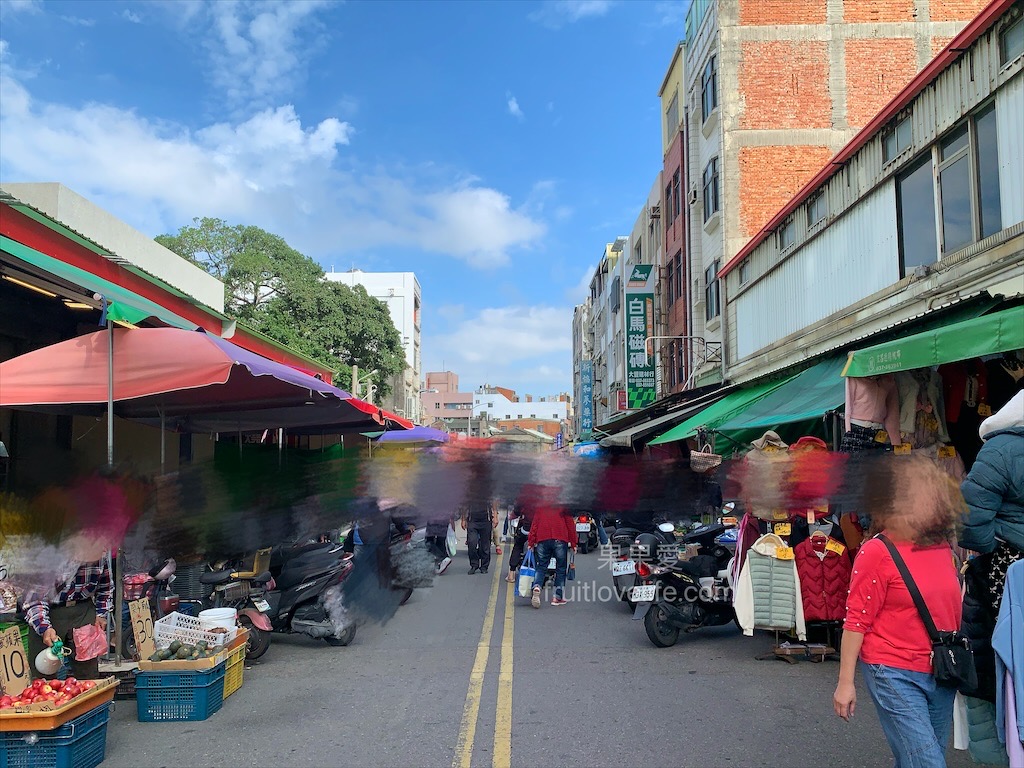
[234,669]
[185,629]
[125,684]
[79,743]
[167,696]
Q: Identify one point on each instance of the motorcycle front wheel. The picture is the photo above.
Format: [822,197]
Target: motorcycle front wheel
[259,639]
[660,632]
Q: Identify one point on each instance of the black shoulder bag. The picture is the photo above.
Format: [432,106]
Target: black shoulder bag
[952,659]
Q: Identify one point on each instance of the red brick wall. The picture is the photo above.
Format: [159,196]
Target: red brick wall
[785,85]
[938,43]
[770,176]
[869,11]
[955,10]
[771,12]
[876,70]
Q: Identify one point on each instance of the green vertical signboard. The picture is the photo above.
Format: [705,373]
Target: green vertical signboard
[640,389]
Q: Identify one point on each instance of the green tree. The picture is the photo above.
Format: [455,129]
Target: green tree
[276,290]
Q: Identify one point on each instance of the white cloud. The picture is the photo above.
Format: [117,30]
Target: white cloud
[513,107]
[12,7]
[578,293]
[129,15]
[521,347]
[78,21]
[260,49]
[269,170]
[671,14]
[555,14]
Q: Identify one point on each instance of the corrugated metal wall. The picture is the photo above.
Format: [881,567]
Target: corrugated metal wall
[1009,109]
[853,258]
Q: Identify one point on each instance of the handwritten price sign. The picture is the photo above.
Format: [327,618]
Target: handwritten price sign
[14,669]
[142,626]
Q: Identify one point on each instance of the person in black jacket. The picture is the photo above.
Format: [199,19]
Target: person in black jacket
[478,521]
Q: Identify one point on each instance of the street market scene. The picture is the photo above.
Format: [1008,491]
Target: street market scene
[341,424]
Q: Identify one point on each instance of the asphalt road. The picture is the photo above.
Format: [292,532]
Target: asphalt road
[466,676]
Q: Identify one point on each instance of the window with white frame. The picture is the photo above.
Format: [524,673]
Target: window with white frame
[966,209]
[745,272]
[709,88]
[672,118]
[787,235]
[1011,42]
[897,140]
[712,308]
[710,188]
[817,209]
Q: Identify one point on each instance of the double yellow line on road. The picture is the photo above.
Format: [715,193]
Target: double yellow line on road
[502,754]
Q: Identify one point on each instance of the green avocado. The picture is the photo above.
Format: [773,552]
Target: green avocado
[174,646]
[183,652]
[164,655]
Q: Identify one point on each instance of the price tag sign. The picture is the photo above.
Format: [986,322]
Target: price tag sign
[784,553]
[15,673]
[903,449]
[142,626]
[780,514]
[835,546]
[984,409]
[881,436]
[783,529]
[947,452]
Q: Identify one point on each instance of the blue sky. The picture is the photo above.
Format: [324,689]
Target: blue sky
[491,147]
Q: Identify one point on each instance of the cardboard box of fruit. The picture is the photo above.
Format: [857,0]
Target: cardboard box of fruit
[182,657]
[47,704]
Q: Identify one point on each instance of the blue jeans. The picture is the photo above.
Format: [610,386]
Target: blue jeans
[543,553]
[602,536]
[916,714]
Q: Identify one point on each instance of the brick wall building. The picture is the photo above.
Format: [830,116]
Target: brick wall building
[774,88]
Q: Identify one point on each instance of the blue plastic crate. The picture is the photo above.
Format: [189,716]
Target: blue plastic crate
[79,743]
[167,696]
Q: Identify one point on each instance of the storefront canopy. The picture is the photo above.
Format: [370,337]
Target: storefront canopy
[188,380]
[718,412]
[415,435]
[794,409]
[122,304]
[637,434]
[986,335]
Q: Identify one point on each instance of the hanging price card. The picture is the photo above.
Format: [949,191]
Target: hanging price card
[142,626]
[780,514]
[984,409]
[14,669]
[835,546]
[783,529]
[947,452]
[784,553]
[903,449]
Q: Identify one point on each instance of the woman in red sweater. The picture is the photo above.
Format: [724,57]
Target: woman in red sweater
[552,534]
[883,627]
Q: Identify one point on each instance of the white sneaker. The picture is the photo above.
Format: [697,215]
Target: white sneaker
[535,600]
[443,565]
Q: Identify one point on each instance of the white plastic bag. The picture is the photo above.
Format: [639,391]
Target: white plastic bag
[451,541]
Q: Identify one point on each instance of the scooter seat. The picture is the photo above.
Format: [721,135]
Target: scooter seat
[215,577]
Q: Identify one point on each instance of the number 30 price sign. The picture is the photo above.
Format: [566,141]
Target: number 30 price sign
[142,626]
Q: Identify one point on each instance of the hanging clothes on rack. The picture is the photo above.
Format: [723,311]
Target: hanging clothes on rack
[1008,643]
[872,413]
[768,592]
[824,566]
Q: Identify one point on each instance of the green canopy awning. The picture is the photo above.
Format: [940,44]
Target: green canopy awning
[985,335]
[794,409]
[719,412]
[122,304]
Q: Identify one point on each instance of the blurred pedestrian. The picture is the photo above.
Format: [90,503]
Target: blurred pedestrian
[519,526]
[478,522]
[552,535]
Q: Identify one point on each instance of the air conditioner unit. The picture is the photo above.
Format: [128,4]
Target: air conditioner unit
[692,197]
[655,212]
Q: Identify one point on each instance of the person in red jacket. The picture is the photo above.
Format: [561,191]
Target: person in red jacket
[916,507]
[552,534]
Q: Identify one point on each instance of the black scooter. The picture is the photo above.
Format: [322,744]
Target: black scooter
[289,597]
[630,545]
[687,594]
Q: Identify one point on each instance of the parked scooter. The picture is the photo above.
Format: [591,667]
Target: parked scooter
[586,533]
[290,601]
[686,594]
[154,587]
[629,545]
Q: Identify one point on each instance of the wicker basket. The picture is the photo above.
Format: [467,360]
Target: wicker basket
[704,460]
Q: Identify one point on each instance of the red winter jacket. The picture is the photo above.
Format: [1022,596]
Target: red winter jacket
[552,523]
[823,580]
